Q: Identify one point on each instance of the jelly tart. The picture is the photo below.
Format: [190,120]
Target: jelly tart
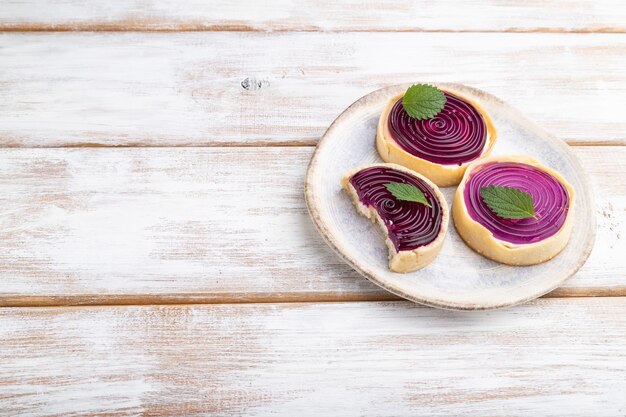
[440,147]
[480,214]
[414,228]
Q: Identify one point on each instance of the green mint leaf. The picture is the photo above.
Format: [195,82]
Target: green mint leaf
[423,101]
[508,202]
[407,192]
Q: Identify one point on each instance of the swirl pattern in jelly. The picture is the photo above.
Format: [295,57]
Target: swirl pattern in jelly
[409,224]
[456,135]
[550,199]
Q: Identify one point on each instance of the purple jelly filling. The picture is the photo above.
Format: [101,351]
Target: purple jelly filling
[550,197]
[409,224]
[456,135]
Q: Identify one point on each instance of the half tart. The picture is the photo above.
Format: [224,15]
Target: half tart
[526,241]
[440,148]
[414,232]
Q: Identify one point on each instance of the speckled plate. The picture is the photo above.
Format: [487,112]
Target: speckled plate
[459,278]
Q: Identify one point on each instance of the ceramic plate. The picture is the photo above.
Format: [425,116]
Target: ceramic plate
[459,278]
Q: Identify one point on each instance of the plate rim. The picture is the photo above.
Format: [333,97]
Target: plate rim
[328,236]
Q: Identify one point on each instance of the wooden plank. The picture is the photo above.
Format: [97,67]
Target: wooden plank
[182,89]
[553,357]
[316,15]
[176,225]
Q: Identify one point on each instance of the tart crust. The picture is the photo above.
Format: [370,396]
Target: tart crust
[482,240]
[401,261]
[442,175]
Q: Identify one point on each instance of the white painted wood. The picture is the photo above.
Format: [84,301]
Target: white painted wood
[180,89]
[137,225]
[458,278]
[314,15]
[553,357]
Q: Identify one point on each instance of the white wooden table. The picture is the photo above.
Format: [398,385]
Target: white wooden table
[156,256]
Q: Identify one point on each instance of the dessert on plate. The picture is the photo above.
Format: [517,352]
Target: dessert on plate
[435,132]
[514,210]
[409,208]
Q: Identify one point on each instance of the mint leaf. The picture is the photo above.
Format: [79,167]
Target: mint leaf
[407,192]
[508,202]
[423,101]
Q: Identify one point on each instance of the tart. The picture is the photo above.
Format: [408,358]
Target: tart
[526,241]
[441,147]
[414,232]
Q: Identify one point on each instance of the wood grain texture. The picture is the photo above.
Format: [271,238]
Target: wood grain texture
[183,89]
[551,358]
[316,15]
[175,225]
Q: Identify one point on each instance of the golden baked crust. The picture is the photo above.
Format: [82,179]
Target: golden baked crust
[402,261]
[482,240]
[442,175]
